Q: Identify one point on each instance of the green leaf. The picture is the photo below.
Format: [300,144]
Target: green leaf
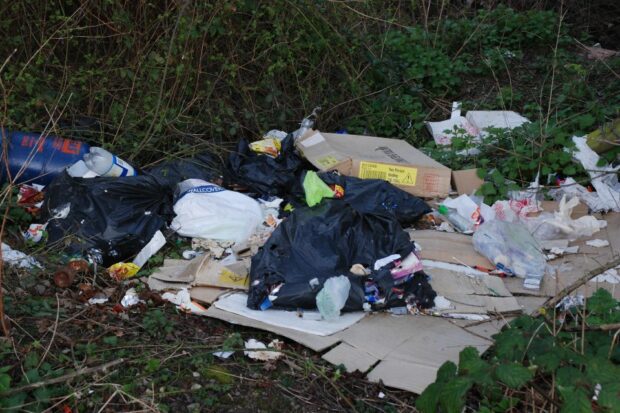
[452,394]
[570,170]
[601,370]
[111,340]
[429,399]
[610,397]
[567,376]
[472,365]
[586,121]
[152,365]
[575,401]
[446,372]
[513,375]
[5,382]
[601,303]
[12,403]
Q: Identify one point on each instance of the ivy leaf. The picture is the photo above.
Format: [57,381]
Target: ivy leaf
[513,375]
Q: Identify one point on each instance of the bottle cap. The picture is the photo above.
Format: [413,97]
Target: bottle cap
[443,210]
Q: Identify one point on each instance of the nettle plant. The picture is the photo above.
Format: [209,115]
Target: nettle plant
[568,360]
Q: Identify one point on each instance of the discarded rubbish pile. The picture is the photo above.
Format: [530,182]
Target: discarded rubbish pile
[333,239]
[308,232]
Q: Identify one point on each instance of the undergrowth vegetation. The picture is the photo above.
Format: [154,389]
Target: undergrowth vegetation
[158,79]
[566,360]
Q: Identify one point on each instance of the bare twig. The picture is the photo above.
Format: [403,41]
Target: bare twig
[64,377]
[552,302]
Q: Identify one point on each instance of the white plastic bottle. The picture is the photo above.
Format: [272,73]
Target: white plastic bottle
[105,164]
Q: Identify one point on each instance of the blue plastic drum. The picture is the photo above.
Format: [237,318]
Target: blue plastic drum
[34,158]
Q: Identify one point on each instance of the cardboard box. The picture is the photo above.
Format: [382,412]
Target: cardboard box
[380,158]
[466,181]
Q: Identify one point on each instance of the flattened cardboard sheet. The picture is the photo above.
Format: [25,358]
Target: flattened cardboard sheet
[449,247]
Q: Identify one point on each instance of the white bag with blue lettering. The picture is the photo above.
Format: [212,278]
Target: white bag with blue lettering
[206,210]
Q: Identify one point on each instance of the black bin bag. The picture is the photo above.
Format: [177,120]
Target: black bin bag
[322,242]
[266,175]
[378,197]
[116,217]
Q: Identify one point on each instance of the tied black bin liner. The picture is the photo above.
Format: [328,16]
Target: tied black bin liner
[266,175]
[375,196]
[323,242]
[118,216]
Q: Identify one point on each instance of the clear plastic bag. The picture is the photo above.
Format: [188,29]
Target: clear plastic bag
[332,298]
[512,248]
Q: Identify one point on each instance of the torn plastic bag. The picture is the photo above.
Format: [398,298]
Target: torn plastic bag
[117,216]
[265,174]
[511,248]
[375,196]
[319,243]
[560,225]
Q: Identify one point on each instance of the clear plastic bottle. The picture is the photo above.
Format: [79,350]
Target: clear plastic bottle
[307,123]
[459,222]
[105,164]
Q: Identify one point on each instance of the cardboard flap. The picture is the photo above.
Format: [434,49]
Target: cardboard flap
[220,273]
[320,152]
[466,181]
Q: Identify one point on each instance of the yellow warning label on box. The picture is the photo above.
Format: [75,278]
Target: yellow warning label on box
[399,175]
[230,278]
[327,161]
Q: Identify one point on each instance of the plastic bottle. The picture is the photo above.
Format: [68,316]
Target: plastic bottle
[459,222]
[307,123]
[105,164]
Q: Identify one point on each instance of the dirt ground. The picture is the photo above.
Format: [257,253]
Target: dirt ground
[158,359]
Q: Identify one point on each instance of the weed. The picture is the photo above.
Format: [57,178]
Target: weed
[542,356]
[157,323]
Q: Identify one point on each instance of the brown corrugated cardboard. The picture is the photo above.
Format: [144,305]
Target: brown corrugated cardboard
[449,247]
[206,295]
[466,181]
[351,357]
[214,273]
[370,157]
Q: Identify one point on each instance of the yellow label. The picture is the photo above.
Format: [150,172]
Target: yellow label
[230,278]
[327,161]
[399,175]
